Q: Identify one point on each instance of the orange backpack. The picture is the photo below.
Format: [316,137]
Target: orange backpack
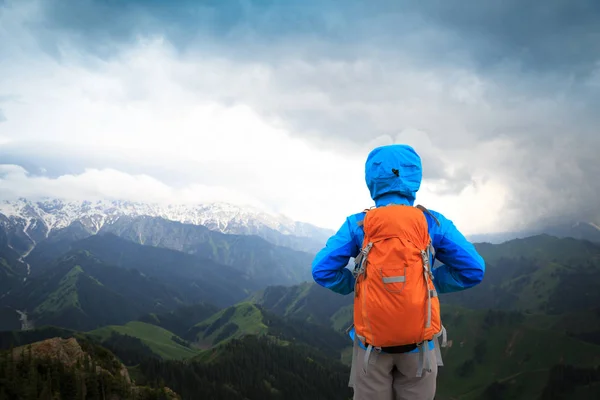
[395,301]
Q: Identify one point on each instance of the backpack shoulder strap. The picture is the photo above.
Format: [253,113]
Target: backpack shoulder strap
[365,211]
[425,210]
[431,248]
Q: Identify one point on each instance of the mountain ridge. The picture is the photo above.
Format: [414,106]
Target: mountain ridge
[70,368]
[83,290]
[536,274]
[259,258]
[37,220]
[534,315]
[581,230]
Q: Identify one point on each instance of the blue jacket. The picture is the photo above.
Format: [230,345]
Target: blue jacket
[393,175]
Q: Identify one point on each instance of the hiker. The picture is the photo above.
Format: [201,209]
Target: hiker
[397,325]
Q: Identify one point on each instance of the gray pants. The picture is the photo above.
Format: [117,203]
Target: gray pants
[392,376]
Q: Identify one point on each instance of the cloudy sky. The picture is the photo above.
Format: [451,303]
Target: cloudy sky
[277,104]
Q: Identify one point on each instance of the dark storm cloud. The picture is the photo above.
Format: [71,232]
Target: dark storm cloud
[541,36]
[103,27]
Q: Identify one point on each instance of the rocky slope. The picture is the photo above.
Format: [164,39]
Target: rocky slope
[70,368]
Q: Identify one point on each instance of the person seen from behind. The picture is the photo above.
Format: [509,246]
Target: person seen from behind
[397,325]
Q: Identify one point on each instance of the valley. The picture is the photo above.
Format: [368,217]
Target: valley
[195,312]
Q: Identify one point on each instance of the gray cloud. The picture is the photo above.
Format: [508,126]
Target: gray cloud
[547,122]
[506,91]
[554,35]
[57,160]
[53,160]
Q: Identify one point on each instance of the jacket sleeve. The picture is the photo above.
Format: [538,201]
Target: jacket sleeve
[462,266]
[329,265]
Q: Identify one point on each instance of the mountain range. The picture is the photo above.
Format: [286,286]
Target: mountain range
[56,256]
[236,316]
[32,221]
[535,314]
[584,230]
[33,235]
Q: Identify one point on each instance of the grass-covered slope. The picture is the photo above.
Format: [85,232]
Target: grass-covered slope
[536,308]
[509,347]
[240,320]
[540,274]
[537,274]
[247,319]
[12,268]
[180,321]
[70,296]
[81,291]
[307,301]
[252,256]
[254,367]
[541,247]
[161,341]
[222,284]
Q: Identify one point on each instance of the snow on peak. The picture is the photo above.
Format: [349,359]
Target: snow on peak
[223,217]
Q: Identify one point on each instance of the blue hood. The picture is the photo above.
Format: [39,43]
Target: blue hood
[393,171]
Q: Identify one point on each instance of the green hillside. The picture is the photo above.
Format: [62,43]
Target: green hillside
[70,296]
[251,256]
[16,338]
[515,350]
[57,243]
[233,322]
[9,278]
[253,367]
[81,291]
[222,284]
[342,319]
[583,325]
[520,334]
[536,308]
[66,294]
[540,274]
[12,269]
[543,248]
[306,301]
[162,342]
[488,346]
[181,320]
[247,319]
[70,368]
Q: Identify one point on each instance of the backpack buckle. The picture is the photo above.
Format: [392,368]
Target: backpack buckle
[361,259]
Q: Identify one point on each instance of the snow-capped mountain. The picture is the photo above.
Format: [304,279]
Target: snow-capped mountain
[33,221]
